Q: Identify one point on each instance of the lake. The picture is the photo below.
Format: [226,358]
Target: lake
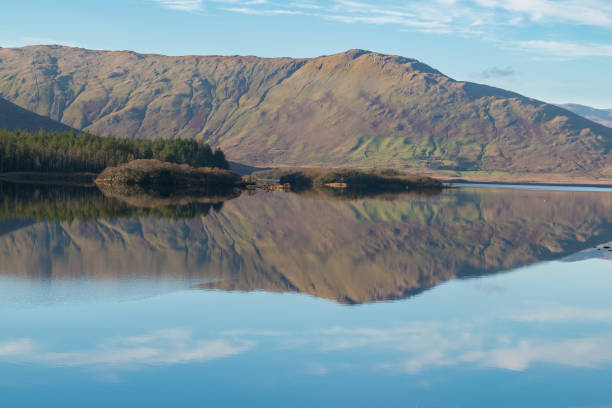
[478,296]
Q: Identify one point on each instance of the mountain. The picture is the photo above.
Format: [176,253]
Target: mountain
[356,108]
[14,117]
[601,116]
[350,251]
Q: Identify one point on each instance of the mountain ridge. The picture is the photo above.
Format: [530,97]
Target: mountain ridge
[357,108]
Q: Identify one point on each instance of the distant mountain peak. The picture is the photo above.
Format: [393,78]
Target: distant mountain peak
[601,116]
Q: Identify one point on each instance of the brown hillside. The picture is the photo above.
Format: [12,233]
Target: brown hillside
[356,108]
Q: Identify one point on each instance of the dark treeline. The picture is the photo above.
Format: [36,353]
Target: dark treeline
[81,152]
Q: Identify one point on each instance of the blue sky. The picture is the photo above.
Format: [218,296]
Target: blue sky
[554,50]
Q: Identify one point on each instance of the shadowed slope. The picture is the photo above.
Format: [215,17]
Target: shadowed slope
[357,108]
[13,117]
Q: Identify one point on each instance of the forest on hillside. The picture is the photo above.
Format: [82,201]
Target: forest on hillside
[82,152]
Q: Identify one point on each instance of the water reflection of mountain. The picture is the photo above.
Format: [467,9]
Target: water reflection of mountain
[351,251]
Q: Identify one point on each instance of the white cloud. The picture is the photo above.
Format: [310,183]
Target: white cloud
[25,41]
[567,49]
[584,12]
[181,5]
[247,10]
[481,18]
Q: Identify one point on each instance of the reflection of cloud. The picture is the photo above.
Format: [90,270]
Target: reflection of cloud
[254,333]
[17,347]
[561,314]
[427,359]
[163,334]
[418,338]
[411,348]
[170,346]
[586,353]
[426,346]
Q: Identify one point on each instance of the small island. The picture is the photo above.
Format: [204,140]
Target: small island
[152,173]
[371,180]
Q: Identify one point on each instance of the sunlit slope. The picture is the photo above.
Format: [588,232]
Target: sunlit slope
[356,108]
[13,117]
[349,251]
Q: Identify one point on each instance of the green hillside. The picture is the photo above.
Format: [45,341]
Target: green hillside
[357,108]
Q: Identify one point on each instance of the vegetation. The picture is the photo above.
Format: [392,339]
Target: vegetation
[352,194]
[82,152]
[152,172]
[366,180]
[75,203]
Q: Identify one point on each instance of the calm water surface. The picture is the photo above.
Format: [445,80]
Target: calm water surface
[476,297]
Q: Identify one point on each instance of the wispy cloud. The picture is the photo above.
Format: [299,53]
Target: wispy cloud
[481,18]
[181,5]
[583,12]
[27,40]
[453,15]
[252,11]
[496,72]
[567,49]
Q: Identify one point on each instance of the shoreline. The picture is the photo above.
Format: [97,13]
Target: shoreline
[459,182]
[556,180]
[525,179]
[59,178]
[528,181]
[476,177]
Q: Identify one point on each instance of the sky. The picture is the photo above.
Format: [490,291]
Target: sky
[558,51]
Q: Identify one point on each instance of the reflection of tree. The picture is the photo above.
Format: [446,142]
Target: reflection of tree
[69,203]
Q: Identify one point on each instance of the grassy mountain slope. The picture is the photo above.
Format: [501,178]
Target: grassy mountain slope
[13,117]
[356,108]
[601,116]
